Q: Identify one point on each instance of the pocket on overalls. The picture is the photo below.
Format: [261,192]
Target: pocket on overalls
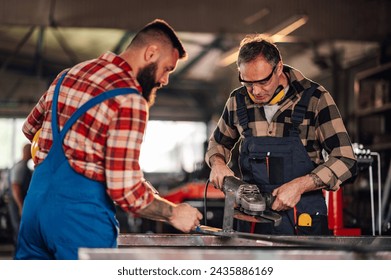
[270,170]
[276,170]
[259,169]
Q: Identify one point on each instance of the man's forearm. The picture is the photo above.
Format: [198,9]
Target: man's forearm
[216,159]
[182,216]
[159,209]
[317,182]
[310,182]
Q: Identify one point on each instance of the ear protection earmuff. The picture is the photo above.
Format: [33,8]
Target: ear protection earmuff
[277,96]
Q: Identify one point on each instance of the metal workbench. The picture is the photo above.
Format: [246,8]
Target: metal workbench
[200,246]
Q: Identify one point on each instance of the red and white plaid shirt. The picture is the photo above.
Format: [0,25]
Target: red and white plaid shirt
[104,144]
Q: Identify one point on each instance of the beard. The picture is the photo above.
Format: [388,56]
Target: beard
[147,80]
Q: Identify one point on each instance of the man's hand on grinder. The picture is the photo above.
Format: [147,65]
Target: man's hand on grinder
[219,170]
[289,194]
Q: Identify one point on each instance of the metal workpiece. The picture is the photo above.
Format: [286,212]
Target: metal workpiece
[186,240]
[229,209]
[200,246]
[221,239]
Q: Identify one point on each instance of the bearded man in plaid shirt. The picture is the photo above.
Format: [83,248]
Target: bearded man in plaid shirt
[92,121]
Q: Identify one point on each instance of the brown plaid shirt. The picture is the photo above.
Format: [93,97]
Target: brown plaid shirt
[321,129]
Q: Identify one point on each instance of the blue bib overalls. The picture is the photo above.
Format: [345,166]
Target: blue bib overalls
[270,162]
[64,210]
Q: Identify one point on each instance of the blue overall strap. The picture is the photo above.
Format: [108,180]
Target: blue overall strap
[91,103]
[55,130]
[300,109]
[241,111]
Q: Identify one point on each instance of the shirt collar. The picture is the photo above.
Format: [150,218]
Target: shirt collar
[121,63]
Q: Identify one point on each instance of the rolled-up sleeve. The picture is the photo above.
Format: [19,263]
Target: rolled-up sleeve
[341,164]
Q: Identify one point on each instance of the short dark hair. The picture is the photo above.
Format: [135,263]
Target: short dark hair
[252,46]
[159,29]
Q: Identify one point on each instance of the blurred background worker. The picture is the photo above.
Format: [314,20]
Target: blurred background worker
[92,120]
[20,177]
[283,121]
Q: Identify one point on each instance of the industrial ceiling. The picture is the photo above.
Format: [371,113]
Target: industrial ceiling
[40,38]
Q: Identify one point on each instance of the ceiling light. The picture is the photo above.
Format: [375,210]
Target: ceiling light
[256,17]
[288,27]
[278,34]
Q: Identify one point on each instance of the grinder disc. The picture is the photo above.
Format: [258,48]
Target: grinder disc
[249,218]
[265,217]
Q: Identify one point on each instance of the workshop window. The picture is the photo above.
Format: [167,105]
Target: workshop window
[12,141]
[168,146]
[171,146]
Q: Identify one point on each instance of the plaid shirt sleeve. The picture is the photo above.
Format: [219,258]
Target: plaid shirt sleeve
[34,120]
[104,144]
[124,177]
[225,135]
[322,128]
[334,139]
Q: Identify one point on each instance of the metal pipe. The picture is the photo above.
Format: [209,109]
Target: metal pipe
[22,42]
[120,45]
[372,200]
[64,45]
[379,192]
[386,209]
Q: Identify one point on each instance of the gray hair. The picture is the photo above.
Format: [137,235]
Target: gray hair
[253,46]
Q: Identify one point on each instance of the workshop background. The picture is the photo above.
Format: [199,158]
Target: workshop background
[344,45]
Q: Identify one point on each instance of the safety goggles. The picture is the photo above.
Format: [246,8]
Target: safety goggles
[262,82]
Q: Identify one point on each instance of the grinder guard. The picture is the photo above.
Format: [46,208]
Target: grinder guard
[245,202]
